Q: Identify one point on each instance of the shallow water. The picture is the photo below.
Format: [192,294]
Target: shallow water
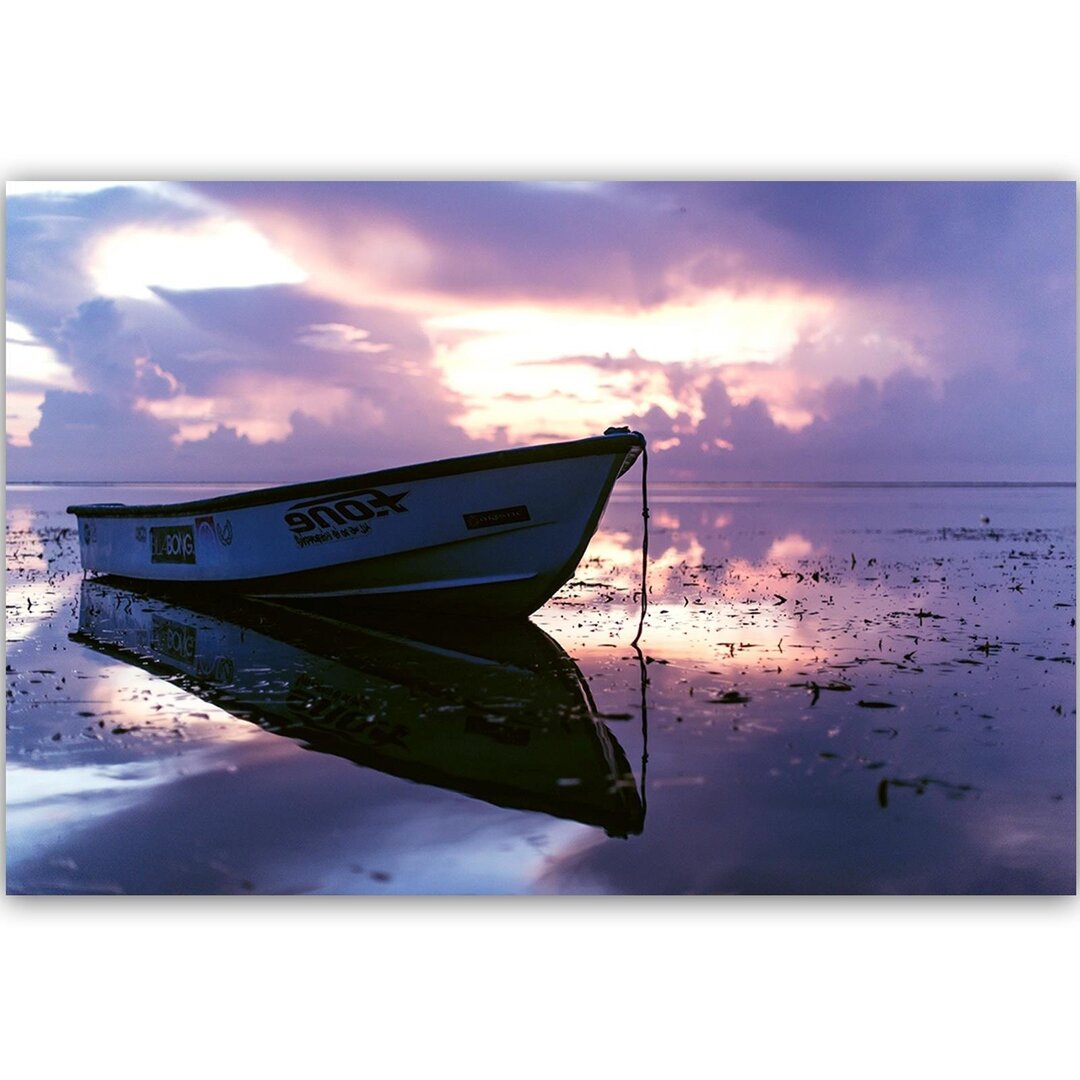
[840,690]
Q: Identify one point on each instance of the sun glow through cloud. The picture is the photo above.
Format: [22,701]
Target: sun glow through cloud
[499,359]
[717,328]
[217,254]
[258,409]
[340,337]
[30,361]
[31,369]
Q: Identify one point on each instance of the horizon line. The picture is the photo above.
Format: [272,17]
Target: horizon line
[688,483]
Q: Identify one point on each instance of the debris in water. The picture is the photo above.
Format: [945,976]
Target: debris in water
[731,697]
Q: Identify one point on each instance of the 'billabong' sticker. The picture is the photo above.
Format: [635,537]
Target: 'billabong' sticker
[172,544]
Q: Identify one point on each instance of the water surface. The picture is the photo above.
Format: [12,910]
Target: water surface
[839,690]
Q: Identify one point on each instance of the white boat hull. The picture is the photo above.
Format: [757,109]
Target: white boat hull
[494,534]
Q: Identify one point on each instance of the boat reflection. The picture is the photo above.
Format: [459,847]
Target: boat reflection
[497,712]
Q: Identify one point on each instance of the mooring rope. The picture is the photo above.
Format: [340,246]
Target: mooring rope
[644,539]
[643,672]
[644,706]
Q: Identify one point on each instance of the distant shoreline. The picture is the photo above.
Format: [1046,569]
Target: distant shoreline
[656,483]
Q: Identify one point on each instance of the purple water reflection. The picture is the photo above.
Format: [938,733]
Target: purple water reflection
[849,690]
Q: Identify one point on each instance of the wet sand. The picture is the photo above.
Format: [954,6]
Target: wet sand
[839,690]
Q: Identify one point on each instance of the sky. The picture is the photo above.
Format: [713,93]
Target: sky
[262,331]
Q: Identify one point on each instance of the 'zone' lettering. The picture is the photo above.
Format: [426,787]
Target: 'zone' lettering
[343,511]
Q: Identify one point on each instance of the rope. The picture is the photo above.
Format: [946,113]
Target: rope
[644,732]
[644,542]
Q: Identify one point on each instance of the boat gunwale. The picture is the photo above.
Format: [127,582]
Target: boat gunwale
[622,441]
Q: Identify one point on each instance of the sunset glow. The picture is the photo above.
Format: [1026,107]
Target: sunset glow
[530,354]
[219,254]
[32,368]
[259,411]
[718,328]
[773,331]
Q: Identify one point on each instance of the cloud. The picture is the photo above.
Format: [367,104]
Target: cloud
[629,246]
[868,234]
[752,330]
[131,260]
[49,236]
[101,351]
[903,428]
[257,397]
[641,244]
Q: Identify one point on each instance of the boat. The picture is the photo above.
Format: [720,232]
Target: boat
[494,534]
[495,711]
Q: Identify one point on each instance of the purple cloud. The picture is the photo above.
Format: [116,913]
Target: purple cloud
[943,344]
